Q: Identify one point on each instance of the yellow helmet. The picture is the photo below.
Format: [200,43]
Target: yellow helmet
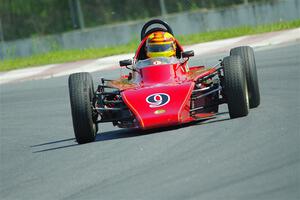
[160,44]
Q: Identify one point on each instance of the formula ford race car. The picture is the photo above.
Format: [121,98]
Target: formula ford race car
[164,91]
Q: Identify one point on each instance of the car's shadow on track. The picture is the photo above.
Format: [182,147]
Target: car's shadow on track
[123,133]
[100,137]
[127,133]
[59,144]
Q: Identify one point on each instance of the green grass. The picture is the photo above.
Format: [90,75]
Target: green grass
[61,56]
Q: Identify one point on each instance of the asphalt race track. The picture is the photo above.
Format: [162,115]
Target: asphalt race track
[255,157]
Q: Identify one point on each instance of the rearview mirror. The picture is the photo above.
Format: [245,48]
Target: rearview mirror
[125,62]
[187,54]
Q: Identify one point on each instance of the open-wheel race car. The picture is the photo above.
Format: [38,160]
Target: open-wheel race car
[163,91]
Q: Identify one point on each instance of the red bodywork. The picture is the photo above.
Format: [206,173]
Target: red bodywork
[172,83]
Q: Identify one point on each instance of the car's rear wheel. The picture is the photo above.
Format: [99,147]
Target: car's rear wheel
[81,98]
[235,87]
[247,55]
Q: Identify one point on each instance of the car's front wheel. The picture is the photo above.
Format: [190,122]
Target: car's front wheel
[81,99]
[235,87]
[247,55]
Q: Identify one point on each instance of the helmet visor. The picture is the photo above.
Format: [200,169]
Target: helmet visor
[160,47]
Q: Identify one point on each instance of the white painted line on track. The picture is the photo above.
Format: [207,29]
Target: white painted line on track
[14,75]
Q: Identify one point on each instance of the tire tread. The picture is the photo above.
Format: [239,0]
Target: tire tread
[235,86]
[80,88]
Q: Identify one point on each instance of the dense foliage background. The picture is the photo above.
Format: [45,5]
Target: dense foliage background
[25,18]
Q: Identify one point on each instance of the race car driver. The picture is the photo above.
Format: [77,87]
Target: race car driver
[160,44]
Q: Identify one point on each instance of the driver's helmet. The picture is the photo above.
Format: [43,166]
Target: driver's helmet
[160,44]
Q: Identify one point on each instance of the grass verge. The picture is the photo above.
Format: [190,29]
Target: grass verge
[61,56]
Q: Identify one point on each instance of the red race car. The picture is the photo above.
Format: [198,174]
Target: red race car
[164,91]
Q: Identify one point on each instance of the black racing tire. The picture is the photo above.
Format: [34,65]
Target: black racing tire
[81,98]
[235,84]
[247,55]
